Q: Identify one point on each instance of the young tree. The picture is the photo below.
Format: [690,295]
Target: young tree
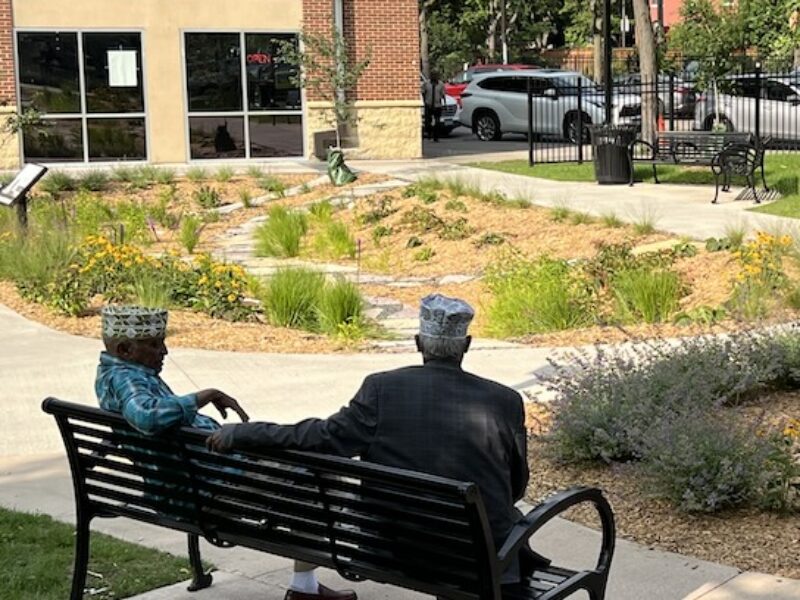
[326,68]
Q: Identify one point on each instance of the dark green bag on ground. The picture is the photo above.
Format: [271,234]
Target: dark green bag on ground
[339,173]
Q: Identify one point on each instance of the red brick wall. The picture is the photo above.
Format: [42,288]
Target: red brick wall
[7,87]
[387,32]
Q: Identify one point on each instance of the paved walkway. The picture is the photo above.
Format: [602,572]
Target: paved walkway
[34,475]
[684,210]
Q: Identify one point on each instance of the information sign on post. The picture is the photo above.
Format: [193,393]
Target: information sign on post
[16,192]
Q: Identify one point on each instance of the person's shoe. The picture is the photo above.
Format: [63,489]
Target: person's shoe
[322,592]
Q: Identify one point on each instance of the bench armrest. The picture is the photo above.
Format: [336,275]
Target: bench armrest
[632,147]
[552,507]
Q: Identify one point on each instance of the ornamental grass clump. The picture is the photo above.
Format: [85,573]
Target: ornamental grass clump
[282,234]
[334,240]
[291,296]
[647,295]
[536,296]
[340,309]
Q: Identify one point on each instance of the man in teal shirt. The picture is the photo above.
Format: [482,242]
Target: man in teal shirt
[129,382]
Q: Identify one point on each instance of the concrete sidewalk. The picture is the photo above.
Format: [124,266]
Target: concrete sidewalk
[684,210]
[34,475]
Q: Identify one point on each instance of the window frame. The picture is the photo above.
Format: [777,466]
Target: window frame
[83,115]
[245,113]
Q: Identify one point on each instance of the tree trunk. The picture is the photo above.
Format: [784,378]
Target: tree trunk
[597,39]
[424,50]
[648,65]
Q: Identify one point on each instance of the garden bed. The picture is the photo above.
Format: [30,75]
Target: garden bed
[745,538]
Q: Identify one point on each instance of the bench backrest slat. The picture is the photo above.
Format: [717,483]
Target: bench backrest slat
[422,532]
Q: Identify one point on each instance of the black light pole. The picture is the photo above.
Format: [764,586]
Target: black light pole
[607,59]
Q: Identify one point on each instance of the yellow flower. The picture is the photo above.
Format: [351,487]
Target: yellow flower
[231,297]
[218,284]
[203,280]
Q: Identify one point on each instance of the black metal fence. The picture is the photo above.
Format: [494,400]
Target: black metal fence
[753,100]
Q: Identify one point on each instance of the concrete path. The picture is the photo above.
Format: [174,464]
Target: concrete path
[684,210]
[34,474]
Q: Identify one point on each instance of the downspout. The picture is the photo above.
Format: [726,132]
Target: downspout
[341,47]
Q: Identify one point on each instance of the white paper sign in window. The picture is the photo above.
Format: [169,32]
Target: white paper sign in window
[122,68]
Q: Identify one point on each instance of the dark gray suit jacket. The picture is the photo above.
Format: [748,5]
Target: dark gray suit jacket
[435,419]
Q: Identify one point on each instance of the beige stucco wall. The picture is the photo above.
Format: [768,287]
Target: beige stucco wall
[387,129]
[9,143]
[162,22]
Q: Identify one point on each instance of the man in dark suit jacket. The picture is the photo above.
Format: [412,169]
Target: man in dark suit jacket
[435,418]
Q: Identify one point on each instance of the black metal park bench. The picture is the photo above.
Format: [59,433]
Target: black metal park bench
[366,521]
[687,148]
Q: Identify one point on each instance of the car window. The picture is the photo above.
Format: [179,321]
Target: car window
[779,91]
[568,86]
[503,84]
[462,77]
[748,88]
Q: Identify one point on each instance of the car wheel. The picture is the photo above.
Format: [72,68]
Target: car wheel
[487,127]
[573,124]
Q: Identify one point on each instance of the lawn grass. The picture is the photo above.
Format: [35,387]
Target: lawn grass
[36,555]
[782,171]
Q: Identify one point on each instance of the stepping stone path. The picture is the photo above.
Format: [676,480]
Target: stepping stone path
[399,320]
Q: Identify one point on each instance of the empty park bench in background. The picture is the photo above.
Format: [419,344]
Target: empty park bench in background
[366,521]
[687,148]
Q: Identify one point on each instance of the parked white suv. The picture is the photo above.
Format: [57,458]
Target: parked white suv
[497,103]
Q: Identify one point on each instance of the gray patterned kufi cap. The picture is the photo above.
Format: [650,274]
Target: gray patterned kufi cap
[443,317]
[134,322]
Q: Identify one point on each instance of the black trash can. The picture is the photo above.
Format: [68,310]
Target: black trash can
[610,145]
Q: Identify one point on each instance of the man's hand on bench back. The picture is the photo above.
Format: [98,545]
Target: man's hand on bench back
[222,402]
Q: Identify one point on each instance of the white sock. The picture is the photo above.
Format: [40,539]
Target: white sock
[305,582]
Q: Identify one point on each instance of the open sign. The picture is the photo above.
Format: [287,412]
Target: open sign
[259,58]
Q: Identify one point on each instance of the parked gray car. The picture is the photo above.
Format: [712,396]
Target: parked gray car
[684,94]
[497,103]
[734,107]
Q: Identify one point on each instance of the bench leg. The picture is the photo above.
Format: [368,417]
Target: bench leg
[655,174]
[752,181]
[200,580]
[81,558]
[763,177]
[716,188]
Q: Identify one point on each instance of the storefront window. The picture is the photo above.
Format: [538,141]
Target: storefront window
[50,75]
[214,71]
[259,118]
[54,140]
[217,137]
[113,70]
[49,78]
[116,139]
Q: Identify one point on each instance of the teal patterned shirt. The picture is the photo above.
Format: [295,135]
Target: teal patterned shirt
[141,396]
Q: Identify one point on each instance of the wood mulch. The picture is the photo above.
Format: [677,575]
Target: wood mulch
[748,539]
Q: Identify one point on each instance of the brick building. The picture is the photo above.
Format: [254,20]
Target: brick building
[672,10]
[198,80]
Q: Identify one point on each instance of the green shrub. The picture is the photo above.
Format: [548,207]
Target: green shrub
[196,174]
[41,263]
[150,291]
[611,220]
[58,181]
[379,209]
[500,200]
[536,296]
[340,309]
[424,254]
[581,218]
[160,212]
[224,174]
[490,239]
[291,298]
[645,222]
[704,315]
[124,174]
[207,197]
[334,241]
[321,211]
[380,232]
[281,234]
[458,229]
[93,181]
[270,183]
[646,295]
[162,175]
[255,172]
[427,186]
[704,464]
[149,174]
[191,228]
[560,214]
[422,220]
[455,206]
[246,198]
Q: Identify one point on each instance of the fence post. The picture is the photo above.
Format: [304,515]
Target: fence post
[579,136]
[530,120]
[671,101]
[758,101]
